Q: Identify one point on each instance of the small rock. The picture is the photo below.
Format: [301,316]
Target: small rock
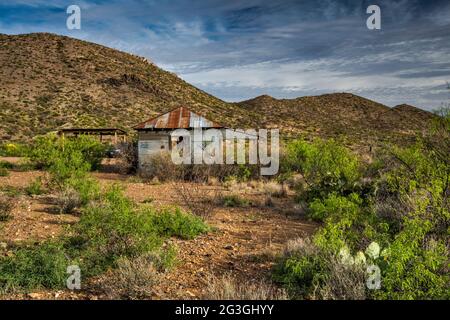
[228,247]
[190,293]
[34,295]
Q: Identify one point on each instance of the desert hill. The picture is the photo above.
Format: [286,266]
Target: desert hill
[50,81]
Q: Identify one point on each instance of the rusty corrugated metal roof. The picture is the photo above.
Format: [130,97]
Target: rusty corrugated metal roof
[179,118]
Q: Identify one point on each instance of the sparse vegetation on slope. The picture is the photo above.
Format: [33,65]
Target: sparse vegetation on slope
[51,81]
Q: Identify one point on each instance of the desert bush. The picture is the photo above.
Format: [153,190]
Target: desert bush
[132,279]
[302,269]
[406,212]
[418,176]
[6,208]
[88,189]
[36,187]
[114,227]
[336,206]
[162,167]
[129,157]
[246,172]
[275,189]
[14,150]
[4,172]
[36,267]
[67,200]
[229,288]
[76,193]
[200,201]
[309,271]
[234,200]
[82,152]
[416,266]
[6,165]
[111,228]
[136,278]
[344,282]
[171,221]
[325,165]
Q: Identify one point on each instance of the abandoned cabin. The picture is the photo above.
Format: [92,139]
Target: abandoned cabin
[155,134]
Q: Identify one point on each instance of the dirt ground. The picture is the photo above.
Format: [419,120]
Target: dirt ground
[242,240]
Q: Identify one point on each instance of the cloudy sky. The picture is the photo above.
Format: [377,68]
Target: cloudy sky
[240,49]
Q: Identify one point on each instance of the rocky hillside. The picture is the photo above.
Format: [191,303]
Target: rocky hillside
[50,81]
[331,115]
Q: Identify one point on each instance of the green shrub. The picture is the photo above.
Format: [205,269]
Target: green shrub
[6,165]
[417,178]
[67,200]
[136,278]
[49,151]
[24,165]
[41,266]
[234,200]
[171,222]
[70,167]
[68,162]
[302,269]
[11,191]
[407,213]
[167,258]
[88,189]
[113,228]
[35,187]
[325,165]
[245,172]
[416,267]
[14,150]
[4,172]
[334,205]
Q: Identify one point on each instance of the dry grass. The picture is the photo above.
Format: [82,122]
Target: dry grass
[6,208]
[303,245]
[199,200]
[345,282]
[274,189]
[161,167]
[132,279]
[67,200]
[228,288]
